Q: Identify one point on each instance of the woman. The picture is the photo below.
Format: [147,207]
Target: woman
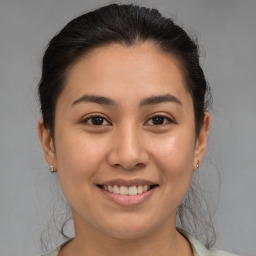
[125,125]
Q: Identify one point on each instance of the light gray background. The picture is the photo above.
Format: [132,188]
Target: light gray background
[227,31]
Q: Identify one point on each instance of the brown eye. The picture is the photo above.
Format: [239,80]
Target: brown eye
[95,120]
[159,120]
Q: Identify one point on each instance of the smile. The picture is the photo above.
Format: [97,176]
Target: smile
[127,193]
[125,190]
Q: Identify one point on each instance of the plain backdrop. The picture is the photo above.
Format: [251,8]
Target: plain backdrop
[226,32]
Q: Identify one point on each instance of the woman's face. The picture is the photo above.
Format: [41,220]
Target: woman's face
[125,124]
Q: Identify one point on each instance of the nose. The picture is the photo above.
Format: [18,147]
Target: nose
[127,149]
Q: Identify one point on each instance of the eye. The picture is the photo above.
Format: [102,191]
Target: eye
[159,120]
[96,120]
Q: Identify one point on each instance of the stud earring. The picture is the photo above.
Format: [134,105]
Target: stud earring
[51,169]
[197,164]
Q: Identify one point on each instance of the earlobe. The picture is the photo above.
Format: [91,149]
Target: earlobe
[201,141]
[47,143]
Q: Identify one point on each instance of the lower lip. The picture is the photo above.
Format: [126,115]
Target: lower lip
[128,200]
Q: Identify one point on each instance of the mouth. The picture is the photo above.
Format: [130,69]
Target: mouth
[127,190]
[127,193]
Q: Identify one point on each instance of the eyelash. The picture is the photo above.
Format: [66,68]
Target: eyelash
[85,121]
[167,120]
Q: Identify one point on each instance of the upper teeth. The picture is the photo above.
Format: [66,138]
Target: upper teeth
[123,190]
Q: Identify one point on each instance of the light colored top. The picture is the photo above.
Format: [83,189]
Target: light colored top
[198,248]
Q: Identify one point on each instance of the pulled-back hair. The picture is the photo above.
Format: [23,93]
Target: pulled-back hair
[129,25]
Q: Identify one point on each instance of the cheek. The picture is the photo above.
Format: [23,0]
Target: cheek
[174,156]
[78,158]
[175,153]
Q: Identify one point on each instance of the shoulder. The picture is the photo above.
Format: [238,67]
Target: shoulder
[56,251]
[221,253]
[200,250]
[53,253]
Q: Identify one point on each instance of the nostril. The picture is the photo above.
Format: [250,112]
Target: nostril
[126,158]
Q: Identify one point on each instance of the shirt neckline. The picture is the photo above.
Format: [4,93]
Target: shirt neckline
[197,247]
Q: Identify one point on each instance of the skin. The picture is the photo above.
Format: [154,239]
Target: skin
[128,145]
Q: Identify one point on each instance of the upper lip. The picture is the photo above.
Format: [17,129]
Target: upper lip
[128,183]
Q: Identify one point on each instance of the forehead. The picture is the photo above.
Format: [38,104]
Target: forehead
[125,72]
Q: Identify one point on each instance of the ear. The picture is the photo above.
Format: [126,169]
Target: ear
[47,144]
[201,141]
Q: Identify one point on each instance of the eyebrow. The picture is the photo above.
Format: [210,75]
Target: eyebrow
[95,99]
[159,99]
[155,99]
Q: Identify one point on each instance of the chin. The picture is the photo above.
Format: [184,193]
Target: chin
[127,229]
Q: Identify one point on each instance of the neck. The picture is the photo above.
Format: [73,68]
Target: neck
[165,241]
